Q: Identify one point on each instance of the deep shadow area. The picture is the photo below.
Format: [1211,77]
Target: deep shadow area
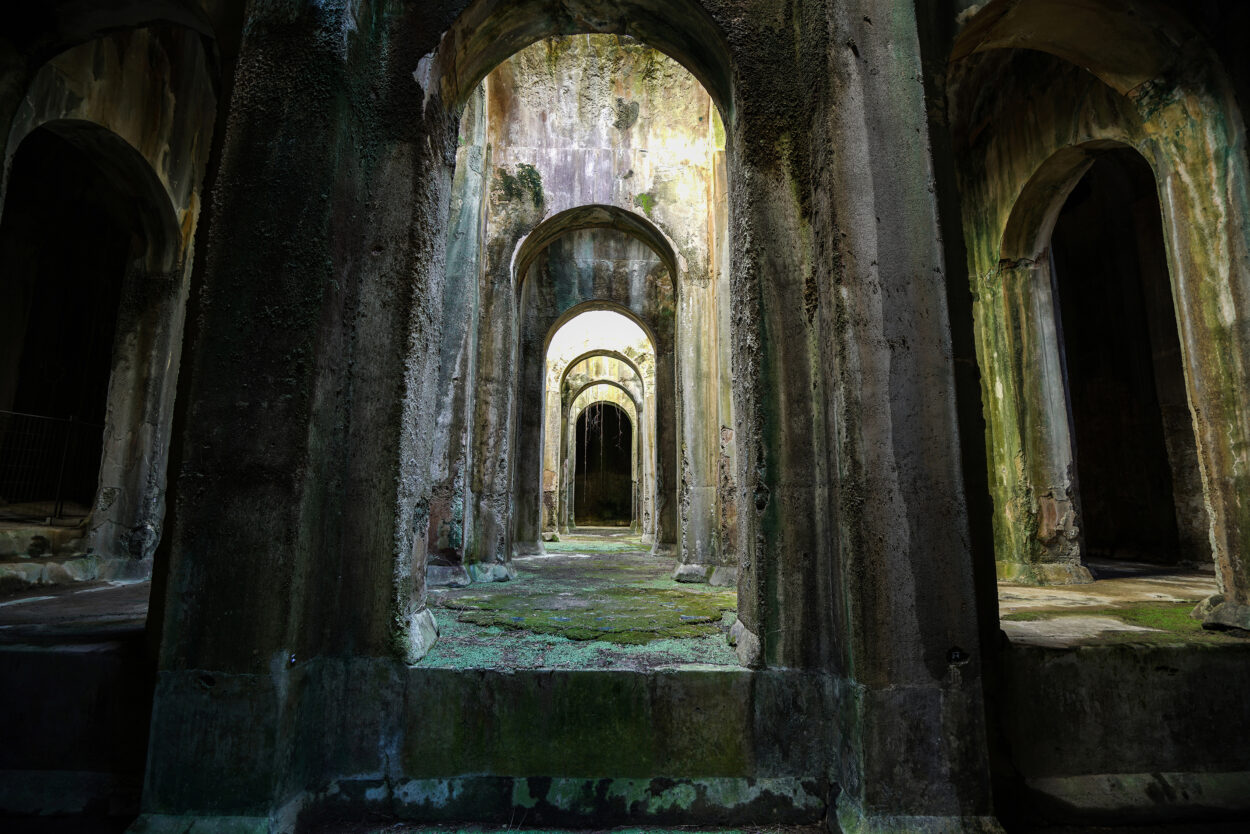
[602,485]
[1126,387]
[65,240]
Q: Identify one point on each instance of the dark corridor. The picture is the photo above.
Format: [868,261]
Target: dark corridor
[66,238]
[1132,435]
[603,482]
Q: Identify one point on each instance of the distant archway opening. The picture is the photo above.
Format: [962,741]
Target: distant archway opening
[603,480]
[1133,450]
[68,237]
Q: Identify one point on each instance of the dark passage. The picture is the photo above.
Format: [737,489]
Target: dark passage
[1134,447]
[65,239]
[602,484]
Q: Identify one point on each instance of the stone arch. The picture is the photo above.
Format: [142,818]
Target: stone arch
[126,170]
[611,354]
[1169,99]
[532,444]
[1027,233]
[601,304]
[559,399]
[588,395]
[487,32]
[152,151]
[593,217]
[1125,50]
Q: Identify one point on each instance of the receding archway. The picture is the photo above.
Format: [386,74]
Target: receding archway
[591,346]
[603,474]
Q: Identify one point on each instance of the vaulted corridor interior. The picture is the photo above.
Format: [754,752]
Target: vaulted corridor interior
[570,414]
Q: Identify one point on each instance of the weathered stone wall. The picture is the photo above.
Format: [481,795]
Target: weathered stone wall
[1123,734]
[451,496]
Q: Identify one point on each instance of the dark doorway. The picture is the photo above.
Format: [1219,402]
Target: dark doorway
[66,238]
[1135,460]
[603,482]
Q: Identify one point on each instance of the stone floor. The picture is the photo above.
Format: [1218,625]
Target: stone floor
[596,600]
[47,614]
[1128,602]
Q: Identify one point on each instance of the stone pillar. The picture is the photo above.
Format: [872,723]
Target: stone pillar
[451,496]
[698,349]
[306,433]
[530,409]
[552,435]
[667,473]
[914,752]
[1030,411]
[489,557]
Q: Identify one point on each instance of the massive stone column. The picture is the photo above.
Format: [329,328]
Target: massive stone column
[489,552]
[667,475]
[451,496]
[530,413]
[908,655]
[698,354]
[307,389]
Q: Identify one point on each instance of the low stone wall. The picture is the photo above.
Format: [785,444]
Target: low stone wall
[1126,733]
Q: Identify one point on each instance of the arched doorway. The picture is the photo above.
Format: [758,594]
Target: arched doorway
[1132,435]
[603,475]
[67,238]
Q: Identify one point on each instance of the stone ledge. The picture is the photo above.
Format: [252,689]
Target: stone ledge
[563,801]
[1143,797]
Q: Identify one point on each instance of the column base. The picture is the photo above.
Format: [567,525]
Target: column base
[746,645]
[1044,573]
[422,635]
[716,575]
[491,572]
[534,548]
[1219,614]
[446,576]
[664,550]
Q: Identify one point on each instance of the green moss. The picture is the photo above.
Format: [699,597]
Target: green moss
[626,615]
[1171,621]
[645,201]
[525,183]
[593,546]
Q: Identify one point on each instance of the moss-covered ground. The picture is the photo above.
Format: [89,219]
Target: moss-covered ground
[1135,604]
[1170,622]
[593,601]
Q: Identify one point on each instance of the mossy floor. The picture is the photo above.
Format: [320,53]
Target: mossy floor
[1146,606]
[596,600]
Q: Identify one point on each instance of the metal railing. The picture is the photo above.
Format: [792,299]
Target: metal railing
[44,463]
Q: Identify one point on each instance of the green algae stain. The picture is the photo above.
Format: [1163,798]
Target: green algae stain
[525,183]
[645,201]
[628,615]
